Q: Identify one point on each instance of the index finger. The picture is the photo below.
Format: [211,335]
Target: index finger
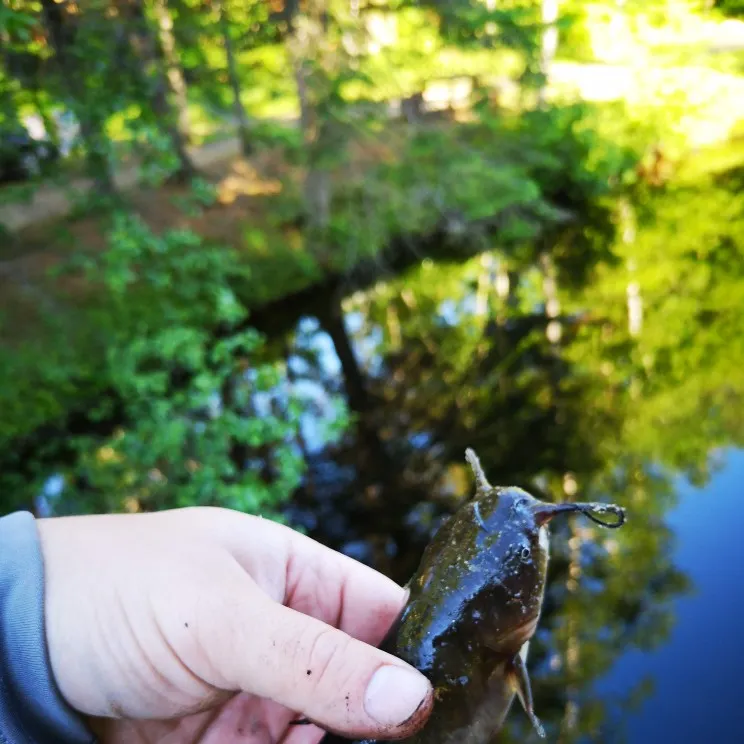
[311,578]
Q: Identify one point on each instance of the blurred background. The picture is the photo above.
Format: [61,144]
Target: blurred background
[293,257]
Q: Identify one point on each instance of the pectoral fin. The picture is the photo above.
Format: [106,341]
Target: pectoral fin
[516,674]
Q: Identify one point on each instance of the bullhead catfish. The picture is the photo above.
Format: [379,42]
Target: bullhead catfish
[474,604]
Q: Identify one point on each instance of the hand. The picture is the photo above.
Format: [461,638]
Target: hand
[207,625]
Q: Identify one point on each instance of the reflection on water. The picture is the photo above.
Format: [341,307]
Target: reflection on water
[696,673]
[619,390]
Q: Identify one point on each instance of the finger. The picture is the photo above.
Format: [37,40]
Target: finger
[243,719]
[311,578]
[340,683]
[303,735]
[340,591]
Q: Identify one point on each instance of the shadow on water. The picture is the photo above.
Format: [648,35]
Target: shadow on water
[621,390]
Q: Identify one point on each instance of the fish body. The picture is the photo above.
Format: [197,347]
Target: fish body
[474,604]
[471,708]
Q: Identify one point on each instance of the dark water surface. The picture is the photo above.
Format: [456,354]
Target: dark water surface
[656,615]
[625,389]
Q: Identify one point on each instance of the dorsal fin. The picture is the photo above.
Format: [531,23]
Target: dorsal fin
[481,482]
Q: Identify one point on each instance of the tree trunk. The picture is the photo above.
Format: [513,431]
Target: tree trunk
[72,84]
[145,44]
[317,186]
[485,283]
[577,536]
[548,43]
[554,329]
[306,43]
[635,301]
[371,449]
[332,321]
[392,323]
[174,73]
[244,123]
[96,151]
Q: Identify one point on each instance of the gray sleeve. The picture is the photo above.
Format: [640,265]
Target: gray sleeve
[32,710]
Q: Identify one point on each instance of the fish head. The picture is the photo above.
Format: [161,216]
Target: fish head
[513,550]
[513,558]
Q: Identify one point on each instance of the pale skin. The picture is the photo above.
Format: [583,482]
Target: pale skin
[206,625]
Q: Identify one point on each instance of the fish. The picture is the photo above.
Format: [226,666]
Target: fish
[473,606]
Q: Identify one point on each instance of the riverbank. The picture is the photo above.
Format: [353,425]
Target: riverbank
[696,65]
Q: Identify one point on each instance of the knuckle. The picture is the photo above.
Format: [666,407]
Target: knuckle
[329,661]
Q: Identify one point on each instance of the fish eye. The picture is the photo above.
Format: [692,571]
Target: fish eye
[520,502]
[525,554]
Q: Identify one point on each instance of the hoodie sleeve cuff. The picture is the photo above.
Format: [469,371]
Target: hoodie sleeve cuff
[32,709]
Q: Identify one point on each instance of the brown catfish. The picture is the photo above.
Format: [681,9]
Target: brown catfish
[474,605]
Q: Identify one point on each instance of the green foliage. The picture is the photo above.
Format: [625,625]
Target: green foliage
[201,195]
[733,8]
[186,446]
[205,419]
[513,24]
[521,219]
[16,23]
[684,363]
[154,148]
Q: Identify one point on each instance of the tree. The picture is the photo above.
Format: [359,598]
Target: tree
[154,78]
[174,73]
[74,42]
[241,116]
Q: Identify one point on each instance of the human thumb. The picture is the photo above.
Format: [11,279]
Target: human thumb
[338,682]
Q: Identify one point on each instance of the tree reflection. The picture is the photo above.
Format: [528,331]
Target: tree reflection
[627,391]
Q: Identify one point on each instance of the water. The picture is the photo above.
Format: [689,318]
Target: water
[657,621]
[651,628]
[697,671]
[640,639]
